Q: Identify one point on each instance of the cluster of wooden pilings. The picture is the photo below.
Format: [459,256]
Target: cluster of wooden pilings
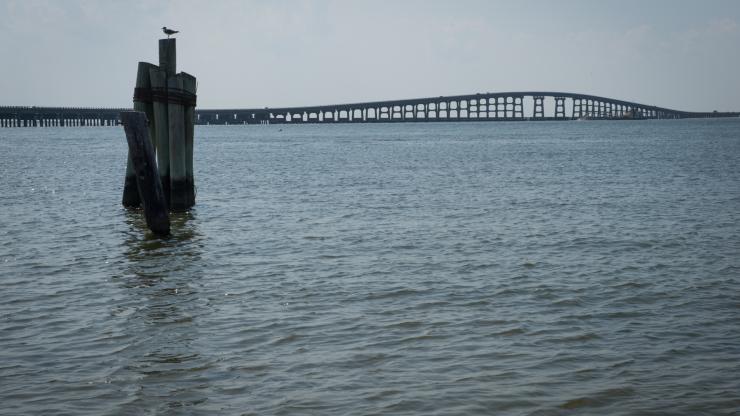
[167,99]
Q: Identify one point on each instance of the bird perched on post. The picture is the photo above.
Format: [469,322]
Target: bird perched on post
[169,32]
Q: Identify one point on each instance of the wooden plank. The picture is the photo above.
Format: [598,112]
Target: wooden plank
[141,154]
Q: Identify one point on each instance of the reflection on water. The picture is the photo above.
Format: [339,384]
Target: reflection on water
[161,279]
[152,257]
[139,239]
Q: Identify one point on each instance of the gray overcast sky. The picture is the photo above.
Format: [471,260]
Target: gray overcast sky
[673,53]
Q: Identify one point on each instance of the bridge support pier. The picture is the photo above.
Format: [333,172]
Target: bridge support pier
[518,107]
[577,108]
[539,110]
[559,107]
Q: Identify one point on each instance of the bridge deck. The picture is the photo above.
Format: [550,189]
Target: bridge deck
[472,107]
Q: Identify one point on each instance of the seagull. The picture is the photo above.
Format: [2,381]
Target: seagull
[168,32]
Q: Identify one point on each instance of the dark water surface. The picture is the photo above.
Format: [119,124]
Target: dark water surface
[417,269]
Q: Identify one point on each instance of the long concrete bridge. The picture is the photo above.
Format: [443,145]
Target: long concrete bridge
[59,116]
[500,106]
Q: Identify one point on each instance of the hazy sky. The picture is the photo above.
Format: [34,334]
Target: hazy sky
[672,53]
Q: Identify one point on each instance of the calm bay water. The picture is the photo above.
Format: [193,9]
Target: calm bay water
[418,269]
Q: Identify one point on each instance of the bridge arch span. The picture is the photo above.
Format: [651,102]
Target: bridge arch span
[517,105]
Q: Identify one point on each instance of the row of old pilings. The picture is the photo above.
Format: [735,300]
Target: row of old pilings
[167,99]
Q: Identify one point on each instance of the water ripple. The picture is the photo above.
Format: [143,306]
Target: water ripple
[475,268]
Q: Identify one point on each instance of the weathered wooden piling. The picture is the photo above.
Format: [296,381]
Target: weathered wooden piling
[169,99]
[161,126]
[130,191]
[168,56]
[176,119]
[141,154]
[141,103]
[189,86]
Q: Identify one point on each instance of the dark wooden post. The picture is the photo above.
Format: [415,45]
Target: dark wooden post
[141,154]
[176,121]
[161,126]
[167,70]
[190,86]
[143,88]
[168,56]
